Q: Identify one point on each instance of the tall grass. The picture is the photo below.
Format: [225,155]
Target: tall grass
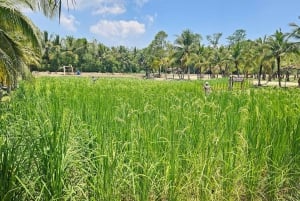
[126,139]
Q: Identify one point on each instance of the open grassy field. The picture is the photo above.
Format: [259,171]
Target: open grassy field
[72,138]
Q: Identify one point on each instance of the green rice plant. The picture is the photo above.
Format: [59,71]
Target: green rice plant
[14,147]
[8,163]
[127,139]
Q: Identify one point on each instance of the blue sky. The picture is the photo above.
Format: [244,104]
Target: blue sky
[134,23]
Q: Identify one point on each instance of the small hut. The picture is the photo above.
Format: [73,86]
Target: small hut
[68,69]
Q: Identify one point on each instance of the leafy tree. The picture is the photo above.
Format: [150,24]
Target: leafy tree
[19,40]
[80,47]
[248,62]
[214,39]
[51,52]
[238,36]
[201,59]
[236,56]
[279,46]
[296,30]
[215,59]
[224,60]
[157,50]
[261,54]
[186,45]
[236,48]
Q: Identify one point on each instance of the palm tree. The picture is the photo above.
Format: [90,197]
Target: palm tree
[224,60]
[186,44]
[12,55]
[236,56]
[215,59]
[262,58]
[157,50]
[296,30]
[19,38]
[200,60]
[279,46]
[260,54]
[169,59]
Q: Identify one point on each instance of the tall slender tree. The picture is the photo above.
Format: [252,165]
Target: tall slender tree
[236,47]
[261,55]
[157,50]
[187,44]
[279,46]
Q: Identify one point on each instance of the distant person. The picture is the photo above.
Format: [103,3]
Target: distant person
[207,88]
[78,72]
[94,79]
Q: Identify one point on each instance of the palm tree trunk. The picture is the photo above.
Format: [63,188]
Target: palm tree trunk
[159,70]
[278,71]
[173,73]
[237,69]
[259,75]
[200,73]
[166,73]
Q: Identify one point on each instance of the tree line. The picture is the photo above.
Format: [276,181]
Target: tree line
[24,48]
[272,56]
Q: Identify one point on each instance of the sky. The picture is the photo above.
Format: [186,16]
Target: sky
[134,23]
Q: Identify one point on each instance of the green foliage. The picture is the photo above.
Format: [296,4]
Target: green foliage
[19,43]
[125,139]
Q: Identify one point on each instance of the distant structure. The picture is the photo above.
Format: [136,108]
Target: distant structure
[68,69]
[233,79]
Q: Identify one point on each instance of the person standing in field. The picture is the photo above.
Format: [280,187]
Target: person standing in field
[207,88]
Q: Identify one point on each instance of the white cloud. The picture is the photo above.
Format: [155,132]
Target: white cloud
[150,19]
[69,22]
[113,9]
[141,2]
[118,29]
[84,4]
[81,4]
[94,4]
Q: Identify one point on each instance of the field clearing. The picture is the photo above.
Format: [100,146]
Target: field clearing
[163,77]
[64,138]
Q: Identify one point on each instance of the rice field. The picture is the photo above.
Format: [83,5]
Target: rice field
[138,140]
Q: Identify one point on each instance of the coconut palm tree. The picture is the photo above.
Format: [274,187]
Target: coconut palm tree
[186,44]
[157,49]
[236,56]
[218,57]
[279,46]
[19,38]
[17,34]
[296,30]
[260,49]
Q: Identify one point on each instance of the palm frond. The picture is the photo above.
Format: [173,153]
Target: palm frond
[10,48]
[13,20]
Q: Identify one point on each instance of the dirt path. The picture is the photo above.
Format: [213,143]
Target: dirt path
[142,75]
[275,83]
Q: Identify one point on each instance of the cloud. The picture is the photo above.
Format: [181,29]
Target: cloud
[94,4]
[150,19]
[69,22]
[114,9]
[141,2]
[85,4]
[81,4]
[118,29]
